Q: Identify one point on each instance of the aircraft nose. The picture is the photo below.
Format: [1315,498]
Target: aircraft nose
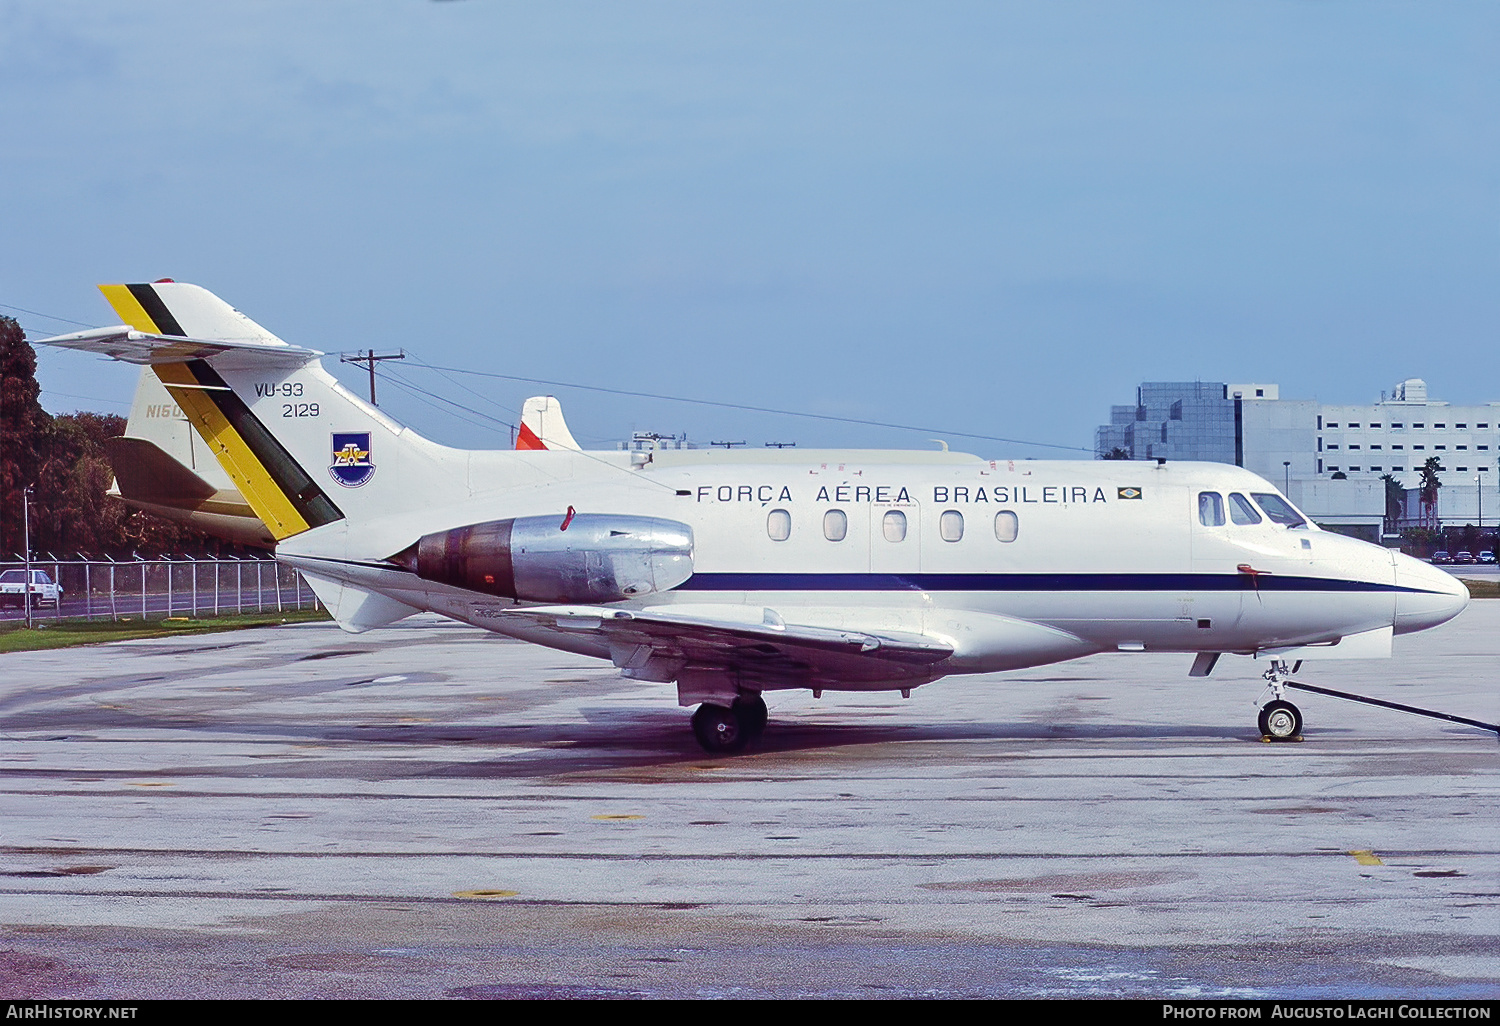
[1425,595]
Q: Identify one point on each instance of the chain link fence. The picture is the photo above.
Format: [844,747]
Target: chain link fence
[160,588]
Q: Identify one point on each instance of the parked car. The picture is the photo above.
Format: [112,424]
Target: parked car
[1465,558]
[1487,558]
[42,591]
[1442,556]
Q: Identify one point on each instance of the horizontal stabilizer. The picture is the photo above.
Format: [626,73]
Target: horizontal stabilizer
[148,474]
[125,343]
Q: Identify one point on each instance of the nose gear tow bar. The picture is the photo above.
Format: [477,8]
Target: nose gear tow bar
[1282,721]
[1396,705]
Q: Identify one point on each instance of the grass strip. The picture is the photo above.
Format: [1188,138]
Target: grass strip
[1489,588]
[69,632]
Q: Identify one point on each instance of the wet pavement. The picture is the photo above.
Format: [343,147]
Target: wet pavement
[431,811]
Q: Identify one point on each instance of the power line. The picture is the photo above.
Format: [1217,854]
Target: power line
[50,317]
[755,409]
[371,359]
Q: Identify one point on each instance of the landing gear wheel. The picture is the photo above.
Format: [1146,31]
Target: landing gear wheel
[1280,721]
[719,730]
[752,712]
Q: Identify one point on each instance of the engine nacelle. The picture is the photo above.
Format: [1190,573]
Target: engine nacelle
[583,557]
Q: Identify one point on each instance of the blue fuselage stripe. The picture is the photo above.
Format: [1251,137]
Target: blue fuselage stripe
[1028,582]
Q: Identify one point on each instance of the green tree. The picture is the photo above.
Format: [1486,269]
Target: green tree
[66,460]
[1395,497]
[21,420]
[1117,453]
[1430,485]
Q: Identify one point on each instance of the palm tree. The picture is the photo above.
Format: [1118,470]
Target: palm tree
[1430,485]
[1394,496]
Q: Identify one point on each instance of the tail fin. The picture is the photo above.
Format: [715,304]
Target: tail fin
[162,466]
[298,446]
[169,307]
[543,426]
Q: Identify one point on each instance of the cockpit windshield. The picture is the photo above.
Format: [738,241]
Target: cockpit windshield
[1278,509]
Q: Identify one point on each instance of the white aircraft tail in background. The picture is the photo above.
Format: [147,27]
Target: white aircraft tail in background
[543,427]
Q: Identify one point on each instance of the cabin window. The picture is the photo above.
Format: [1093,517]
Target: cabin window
[1007,526]
[951,525]
[1210,509]
[1279,510]
[835,525]
[779,525]
[893,526]
[1240,510]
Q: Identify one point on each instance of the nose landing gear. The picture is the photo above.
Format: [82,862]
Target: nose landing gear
[1279,720]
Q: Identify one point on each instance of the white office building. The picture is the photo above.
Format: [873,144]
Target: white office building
[1330,458]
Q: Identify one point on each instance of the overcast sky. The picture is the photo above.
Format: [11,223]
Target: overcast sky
[994,218]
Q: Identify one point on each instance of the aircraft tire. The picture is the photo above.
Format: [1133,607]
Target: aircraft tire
[719,730]
[1280,721]
[752,712]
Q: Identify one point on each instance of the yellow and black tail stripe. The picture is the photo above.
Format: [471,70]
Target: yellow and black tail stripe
[140,307]
[280,492]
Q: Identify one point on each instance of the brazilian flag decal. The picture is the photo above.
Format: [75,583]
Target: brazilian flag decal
[1128,493]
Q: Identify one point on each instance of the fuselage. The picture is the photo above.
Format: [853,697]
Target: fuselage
[1012,563]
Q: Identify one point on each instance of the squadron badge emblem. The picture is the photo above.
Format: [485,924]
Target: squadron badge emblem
[351,458]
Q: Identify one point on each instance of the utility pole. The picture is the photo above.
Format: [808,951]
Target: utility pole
[1286,473]
[26,546]
[370,358]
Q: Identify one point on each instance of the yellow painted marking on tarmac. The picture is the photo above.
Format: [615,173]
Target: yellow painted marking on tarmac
[129,309]
[617,815]
[415,719]
[485,894]
[1366,858]
[244,469]
[151,783]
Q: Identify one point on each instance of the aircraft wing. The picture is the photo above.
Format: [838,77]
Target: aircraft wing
[752,643]
[125,343]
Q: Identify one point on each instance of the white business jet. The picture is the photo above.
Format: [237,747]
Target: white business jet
[732,573]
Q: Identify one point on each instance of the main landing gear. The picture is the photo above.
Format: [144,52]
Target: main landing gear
[1279,720]
[724,730]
